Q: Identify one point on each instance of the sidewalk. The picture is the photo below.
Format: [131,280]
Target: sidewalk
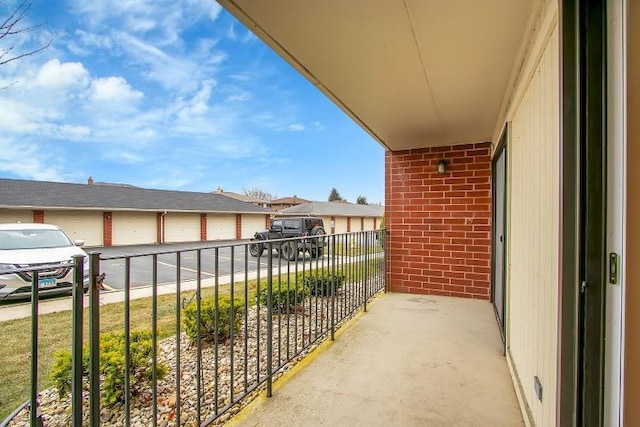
[412,360]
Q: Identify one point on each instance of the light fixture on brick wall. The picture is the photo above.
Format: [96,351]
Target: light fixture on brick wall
[442,166]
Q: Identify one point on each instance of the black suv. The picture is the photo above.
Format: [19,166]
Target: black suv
[287,228]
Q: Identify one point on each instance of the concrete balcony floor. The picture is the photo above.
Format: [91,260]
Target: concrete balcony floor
[411,360]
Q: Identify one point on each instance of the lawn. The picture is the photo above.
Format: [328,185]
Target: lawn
[55,330]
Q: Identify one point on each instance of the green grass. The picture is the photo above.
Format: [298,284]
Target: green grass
[55,331]
[353,249]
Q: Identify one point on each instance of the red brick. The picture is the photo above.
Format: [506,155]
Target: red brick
[440,224]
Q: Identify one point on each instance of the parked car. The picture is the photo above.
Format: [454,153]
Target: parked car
[289,228]
[28,245]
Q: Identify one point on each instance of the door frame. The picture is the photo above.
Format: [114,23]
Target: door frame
[583,212]
[501,150]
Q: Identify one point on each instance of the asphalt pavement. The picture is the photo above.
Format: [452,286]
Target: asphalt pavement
[228,258]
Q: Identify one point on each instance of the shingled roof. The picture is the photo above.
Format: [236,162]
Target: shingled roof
[22,194]
[334,209]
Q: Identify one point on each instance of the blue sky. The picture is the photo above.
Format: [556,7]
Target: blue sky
[172,95]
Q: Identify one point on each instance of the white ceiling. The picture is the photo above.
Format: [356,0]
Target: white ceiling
[412,73]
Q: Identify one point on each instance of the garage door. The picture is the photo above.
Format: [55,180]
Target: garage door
[368,224]
[251,224]
[10,215]
[79,225]
[181,227]
[341,224]
[134,228]
[221,226]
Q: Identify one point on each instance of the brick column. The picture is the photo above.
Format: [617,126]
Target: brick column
[439,239]
[348,224]
[38,217]
[159,227]
[361,223]
[238,226]
[266,221]
[203,227]
[375,223]
[333,225]
[107,228]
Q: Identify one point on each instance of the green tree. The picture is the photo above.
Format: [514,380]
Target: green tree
[362,200]
[334,196]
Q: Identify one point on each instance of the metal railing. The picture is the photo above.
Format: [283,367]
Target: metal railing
[254,318]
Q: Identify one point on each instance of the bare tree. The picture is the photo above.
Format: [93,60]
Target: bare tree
[257,193]
[13,26]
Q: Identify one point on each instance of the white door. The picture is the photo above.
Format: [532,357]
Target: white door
[181,227]
[134,228]
[79,225]
[221,226]
[251,224]
[616,164]
[10,215]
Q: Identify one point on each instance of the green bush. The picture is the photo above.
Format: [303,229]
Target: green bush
[112,365]
[208,312]
[284,295]
[320,285]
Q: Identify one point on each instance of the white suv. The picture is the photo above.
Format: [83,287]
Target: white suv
[30,245]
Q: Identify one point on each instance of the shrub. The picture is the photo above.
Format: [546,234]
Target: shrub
[112,366]
[208,311]
[320,285]
[284,295]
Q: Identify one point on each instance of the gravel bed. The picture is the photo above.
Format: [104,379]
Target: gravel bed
[306,323]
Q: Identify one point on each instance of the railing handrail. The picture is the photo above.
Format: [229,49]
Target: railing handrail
[288,333]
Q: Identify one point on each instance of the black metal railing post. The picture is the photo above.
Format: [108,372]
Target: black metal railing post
[154,339]
[127,341]
[366,269]
[76,340]
[34,416]
[269,342]
[333,288]
[94,339]
[178,349]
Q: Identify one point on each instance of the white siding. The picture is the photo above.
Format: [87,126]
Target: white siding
[533,171]
[341,225]
[79,225]
[221,226]
[251,224]
[10,215]
[134,228]
[368,224]
[327,224]
[181,227]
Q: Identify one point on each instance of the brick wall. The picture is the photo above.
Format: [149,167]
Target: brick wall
[439,225]
[159,228]
[38,217]
[107,229]
[238,226]
[203,226]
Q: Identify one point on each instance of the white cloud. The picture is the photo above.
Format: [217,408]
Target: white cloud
[26,160]
[113,89]
[165,18]
[74,132]
[296,127]
[56,75]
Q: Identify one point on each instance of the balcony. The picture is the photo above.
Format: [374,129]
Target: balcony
[411,360]
[367,357]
